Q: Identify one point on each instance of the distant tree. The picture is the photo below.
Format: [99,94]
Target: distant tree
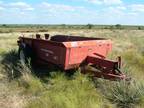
[89,26]
[118,26]
[139,28]
[105,27]
[63,25]
[111,27]
[4,25]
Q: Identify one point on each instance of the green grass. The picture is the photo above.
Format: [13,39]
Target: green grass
[22,87]
[125,94]
[8,28]
[63,93]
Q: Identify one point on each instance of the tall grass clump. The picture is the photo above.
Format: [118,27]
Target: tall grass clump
[10,92]
[134,58]
[30,82]
[22,74]
[65,93]
[10,62]
[126,94]
[135,61]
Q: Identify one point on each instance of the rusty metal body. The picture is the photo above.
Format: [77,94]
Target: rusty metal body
[69,52]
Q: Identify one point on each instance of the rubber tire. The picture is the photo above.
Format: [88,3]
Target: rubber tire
[26,54]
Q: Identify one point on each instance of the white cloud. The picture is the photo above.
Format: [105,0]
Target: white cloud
[57,7]
[1,4]
[112,2]
[137,7]
[117,8]
[1,8]
[60,9]
[106,2]
[95,1]
[132,14]
[21,6]
[114,12]
[121,7]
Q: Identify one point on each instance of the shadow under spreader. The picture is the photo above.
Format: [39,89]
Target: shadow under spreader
[10,61]
[12,65]
[46,71]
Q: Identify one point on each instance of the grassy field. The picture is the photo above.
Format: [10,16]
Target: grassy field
[8,28]
[21,87]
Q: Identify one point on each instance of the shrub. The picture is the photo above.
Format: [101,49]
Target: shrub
[89,26]
[118,26]
[125,94]
[139,28]
[10,62]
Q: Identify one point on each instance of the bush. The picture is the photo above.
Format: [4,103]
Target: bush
[89,26]
[10,62]
[118,26]
[139,28]
[126,95]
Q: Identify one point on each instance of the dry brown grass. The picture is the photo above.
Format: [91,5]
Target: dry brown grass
[10,96]
[128,43]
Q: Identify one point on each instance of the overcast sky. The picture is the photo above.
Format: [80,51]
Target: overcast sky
[72,12]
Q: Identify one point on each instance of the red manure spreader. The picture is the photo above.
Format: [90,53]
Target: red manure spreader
[72,52]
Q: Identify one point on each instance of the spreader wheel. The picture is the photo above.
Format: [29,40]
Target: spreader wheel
[25,55]
[22,57]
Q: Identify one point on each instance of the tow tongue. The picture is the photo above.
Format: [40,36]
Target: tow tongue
[106,69]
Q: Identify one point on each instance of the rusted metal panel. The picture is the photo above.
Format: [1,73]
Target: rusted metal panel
[70,52]
[50,52]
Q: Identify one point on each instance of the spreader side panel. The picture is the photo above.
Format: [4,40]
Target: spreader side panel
[50,52]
